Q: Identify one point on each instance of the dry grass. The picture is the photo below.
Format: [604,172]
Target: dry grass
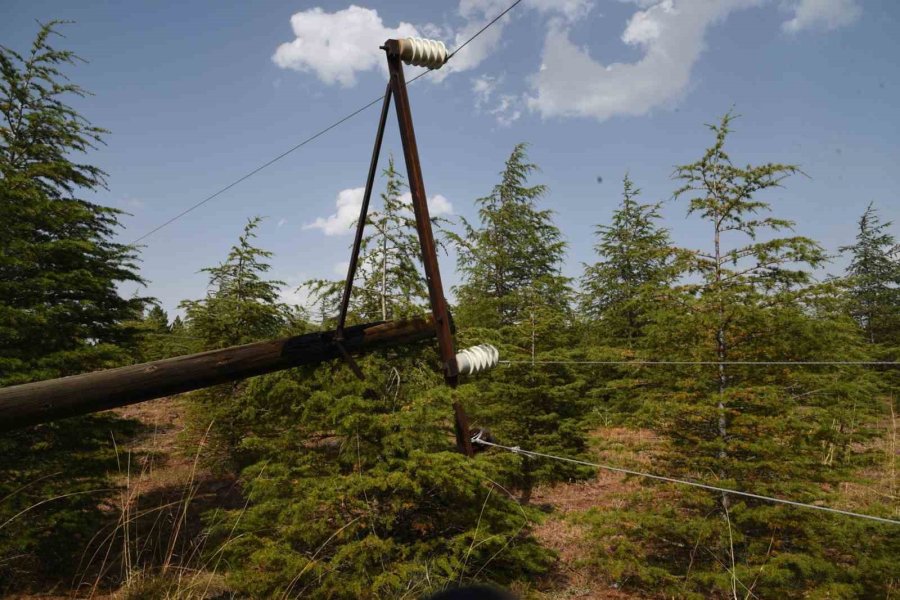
[571,578]
[155,548]
[877,484]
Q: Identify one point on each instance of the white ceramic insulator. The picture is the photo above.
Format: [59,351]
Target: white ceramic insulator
[477,359]
[423,53]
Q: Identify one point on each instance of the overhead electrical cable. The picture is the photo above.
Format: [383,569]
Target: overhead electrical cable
[642,363]
[315,136]
[713,488]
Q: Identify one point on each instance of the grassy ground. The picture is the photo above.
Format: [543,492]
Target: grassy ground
[155,547]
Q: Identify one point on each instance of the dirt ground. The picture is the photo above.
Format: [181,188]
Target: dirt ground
[165,489]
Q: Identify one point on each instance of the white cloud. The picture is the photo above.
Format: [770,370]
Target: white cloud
[507,108]
[281,222]
[483,87]
[348,203]
[292,292]
[478,13]
[347,206]
[438,205]
[570,9]
[822,14]
[293,295]
[671,34]
[336,46]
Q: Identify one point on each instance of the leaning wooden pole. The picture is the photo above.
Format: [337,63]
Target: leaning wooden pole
[42,401]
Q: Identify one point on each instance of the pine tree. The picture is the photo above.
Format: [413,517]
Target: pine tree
[514,255]
[157,319]
[60,310]
[356,490]
[59,269]
[636,261]
[874,274]
[240,307]
[160,339]
[776,431]
[514,296]
[389,283]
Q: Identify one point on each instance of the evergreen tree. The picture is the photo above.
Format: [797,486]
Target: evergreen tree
[636,261]
[514,296]
[59,269]
[389,282]
[777,431]
[874,274]
[240,307]
[160,340]
[157,319]
[357,490]
[60,310]
[514,255]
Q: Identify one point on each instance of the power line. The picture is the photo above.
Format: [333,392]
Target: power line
[517,450]
[313,137]
[641,363]
[261,167]
[482,30]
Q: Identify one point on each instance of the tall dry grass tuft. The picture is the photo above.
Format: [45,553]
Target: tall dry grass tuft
[158,551]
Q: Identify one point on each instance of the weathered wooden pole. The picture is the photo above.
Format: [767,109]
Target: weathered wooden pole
[42,401]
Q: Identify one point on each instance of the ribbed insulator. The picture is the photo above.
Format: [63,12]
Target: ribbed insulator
[423,53]
[477,359]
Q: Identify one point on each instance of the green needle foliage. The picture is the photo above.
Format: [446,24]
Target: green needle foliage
[60,311]
[779,431]
[358,492]
[240,307]
[389,282]
[514,296]
[160,339]
[874,274]
[636,262]
[515,254]
[355,489]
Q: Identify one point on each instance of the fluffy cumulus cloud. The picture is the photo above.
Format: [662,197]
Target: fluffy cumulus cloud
[348,203]
[336,46]
[438,205]
[671,37]
[823,14]
[347,207]
[293,292]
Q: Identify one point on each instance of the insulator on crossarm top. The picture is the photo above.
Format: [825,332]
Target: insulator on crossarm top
[477,359]
[423,53]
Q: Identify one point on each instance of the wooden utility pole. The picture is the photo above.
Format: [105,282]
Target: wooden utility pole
[42,401]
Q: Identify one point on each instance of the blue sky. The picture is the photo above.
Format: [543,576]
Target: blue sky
[198,93]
